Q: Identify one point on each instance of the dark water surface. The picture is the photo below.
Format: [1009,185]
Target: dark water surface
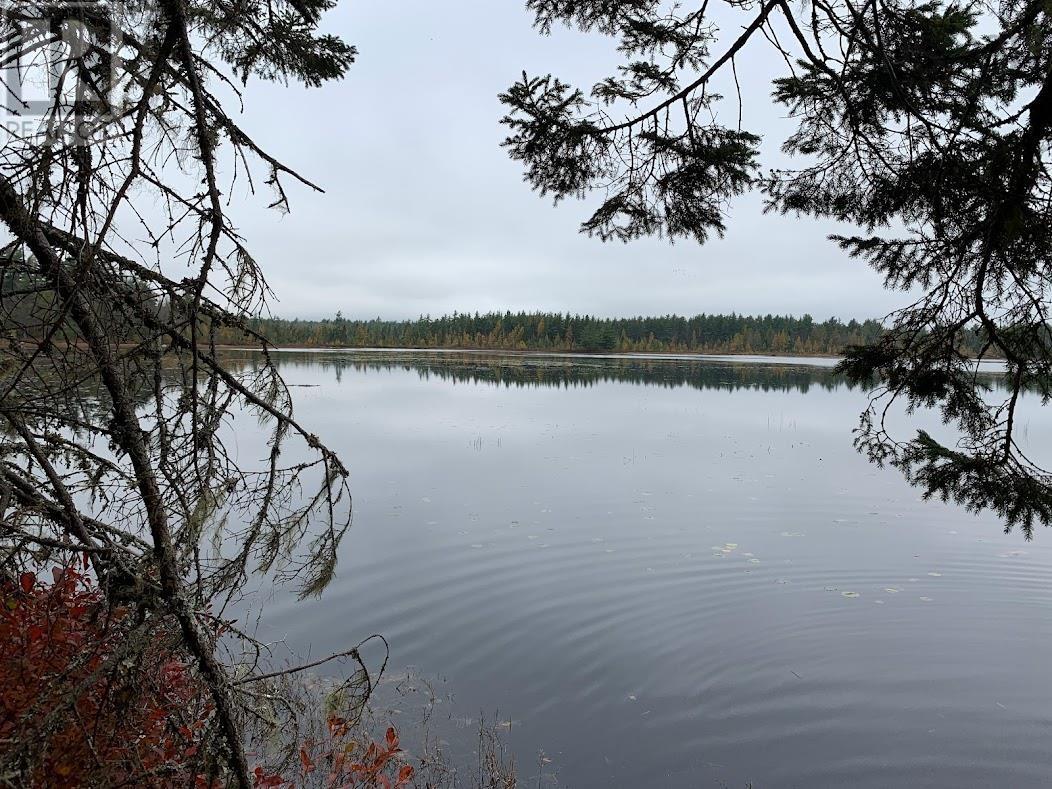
[679,572]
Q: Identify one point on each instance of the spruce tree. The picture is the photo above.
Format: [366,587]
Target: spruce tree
[115,404]
[923,126]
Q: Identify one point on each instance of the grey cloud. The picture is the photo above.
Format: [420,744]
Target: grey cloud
[424,213]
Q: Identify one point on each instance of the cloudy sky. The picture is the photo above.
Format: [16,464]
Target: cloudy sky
[425,214]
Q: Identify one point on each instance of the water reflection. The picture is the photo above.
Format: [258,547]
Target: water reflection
[677,573]
[570,371]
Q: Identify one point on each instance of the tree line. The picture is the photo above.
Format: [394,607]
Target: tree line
[553,331]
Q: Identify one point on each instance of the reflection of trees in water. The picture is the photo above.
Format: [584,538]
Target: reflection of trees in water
[589,372]
[577,371]
[574,372]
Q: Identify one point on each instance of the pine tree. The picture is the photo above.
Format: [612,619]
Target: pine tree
[115,403]
[926,123]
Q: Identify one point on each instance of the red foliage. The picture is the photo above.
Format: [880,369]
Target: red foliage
[92,720]
[380,766]
[88,718]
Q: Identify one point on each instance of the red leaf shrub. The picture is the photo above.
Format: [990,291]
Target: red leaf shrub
[79,708]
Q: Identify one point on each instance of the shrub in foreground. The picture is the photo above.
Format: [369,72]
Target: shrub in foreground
[95,694]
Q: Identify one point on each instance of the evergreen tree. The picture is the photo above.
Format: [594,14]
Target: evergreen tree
[114,403]
[540,331]
[927,123]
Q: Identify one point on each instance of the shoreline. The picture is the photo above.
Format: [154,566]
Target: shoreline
[538,352]
[803,360]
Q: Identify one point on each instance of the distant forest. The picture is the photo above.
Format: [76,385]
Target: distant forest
[544,331]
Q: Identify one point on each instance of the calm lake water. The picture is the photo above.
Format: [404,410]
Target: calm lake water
[678,573]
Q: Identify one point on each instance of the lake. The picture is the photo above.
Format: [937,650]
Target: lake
[677,572]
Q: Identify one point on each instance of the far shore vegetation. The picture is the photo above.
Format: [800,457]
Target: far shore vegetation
[547,331]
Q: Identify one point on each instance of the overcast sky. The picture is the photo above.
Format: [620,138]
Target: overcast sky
[425,213]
